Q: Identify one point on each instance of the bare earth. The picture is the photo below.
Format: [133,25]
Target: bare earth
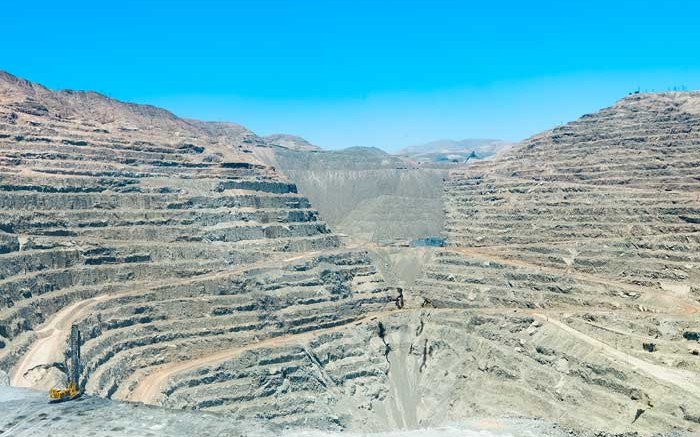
[201,279]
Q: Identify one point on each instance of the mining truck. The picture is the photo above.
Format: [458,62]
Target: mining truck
[73,390]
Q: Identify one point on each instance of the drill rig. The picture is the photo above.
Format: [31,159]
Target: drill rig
[73,390]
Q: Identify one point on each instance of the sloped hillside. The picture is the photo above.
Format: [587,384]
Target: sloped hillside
[291,142]
[368,194]
[164,239]
[592,231]
[202,280]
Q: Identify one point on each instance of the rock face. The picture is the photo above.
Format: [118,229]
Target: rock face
[590,232]
[164,239]
[368,194]
[202,280]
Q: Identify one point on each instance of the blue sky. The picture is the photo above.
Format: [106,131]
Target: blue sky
[375,73]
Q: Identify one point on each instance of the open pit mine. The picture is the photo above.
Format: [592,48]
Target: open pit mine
[565,300]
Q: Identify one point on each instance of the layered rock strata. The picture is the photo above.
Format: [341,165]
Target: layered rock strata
[164,239]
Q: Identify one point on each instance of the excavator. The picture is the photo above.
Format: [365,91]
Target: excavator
[73,390]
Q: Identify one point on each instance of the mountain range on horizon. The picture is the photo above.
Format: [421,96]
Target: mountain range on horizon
[107,107]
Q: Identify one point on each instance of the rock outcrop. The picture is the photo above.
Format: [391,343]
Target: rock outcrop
[202,280]
[164,239]
[368,194]
[591,231]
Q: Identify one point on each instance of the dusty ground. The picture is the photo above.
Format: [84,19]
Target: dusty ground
[25,413]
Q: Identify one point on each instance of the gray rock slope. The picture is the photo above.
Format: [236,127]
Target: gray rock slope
[25,413]
[590,231]
[568,291]
[368,194]
[164,239]
[201,280]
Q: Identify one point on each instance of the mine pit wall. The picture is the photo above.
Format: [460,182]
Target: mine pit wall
[162,249]
[201,270]
[384,198]
[567,255]
[426,367]
[483,343]
[271,303]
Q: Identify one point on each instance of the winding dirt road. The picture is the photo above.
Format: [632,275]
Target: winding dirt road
[148,389]
[683,379]
[149,384]
[673,302]
[48,349]
[53,334]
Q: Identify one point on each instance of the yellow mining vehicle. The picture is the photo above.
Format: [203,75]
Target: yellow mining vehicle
[64,394]
[73,391]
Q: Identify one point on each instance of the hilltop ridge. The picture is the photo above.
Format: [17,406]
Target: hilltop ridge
[92,107]
[292,142]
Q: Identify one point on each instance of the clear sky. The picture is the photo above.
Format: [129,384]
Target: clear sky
[360,72]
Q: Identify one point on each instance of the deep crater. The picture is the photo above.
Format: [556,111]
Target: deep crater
[419,294]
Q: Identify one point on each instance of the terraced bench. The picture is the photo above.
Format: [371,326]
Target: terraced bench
[164,239]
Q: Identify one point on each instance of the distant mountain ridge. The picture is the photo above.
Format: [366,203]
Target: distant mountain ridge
[445,150]
[291,142]
[97,109]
